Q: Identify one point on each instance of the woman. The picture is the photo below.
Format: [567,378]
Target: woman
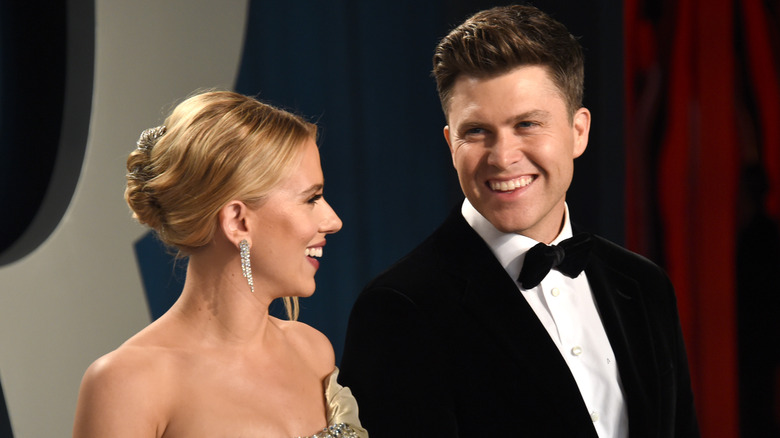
[235,185]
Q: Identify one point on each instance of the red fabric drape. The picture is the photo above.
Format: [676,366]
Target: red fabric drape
[764,75]
[680,78]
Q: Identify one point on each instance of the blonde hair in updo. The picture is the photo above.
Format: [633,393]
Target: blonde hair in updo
[214,147]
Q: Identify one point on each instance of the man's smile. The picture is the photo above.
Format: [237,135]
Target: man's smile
[512,184]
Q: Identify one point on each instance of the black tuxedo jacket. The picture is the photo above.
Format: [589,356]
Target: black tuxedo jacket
[443,345]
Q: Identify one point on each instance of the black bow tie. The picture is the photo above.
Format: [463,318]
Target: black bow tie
[569,257]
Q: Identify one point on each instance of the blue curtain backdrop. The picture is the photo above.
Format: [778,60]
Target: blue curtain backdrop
[361,70]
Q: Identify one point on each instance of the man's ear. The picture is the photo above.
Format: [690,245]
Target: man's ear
[581,127]
[233,221]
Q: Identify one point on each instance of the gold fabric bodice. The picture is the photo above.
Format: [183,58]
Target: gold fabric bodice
[342,410]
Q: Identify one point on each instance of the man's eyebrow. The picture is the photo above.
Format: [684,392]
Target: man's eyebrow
[532,114]
[475,121]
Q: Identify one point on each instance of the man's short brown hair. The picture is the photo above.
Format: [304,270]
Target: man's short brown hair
[497,40]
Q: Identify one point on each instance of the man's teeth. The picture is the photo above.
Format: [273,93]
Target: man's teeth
[314,252]
[508,186]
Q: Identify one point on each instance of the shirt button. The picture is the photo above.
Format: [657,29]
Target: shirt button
[576,350]
[555,292]
[594,416]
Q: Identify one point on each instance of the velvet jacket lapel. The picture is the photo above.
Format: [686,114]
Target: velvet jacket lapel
[625,320]
[491,296]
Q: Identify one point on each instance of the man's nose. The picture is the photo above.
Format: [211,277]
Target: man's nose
[505,151]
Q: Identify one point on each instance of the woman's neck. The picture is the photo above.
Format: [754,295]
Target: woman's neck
[216,300]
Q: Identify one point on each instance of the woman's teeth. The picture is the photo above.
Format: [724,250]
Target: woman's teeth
[314,252]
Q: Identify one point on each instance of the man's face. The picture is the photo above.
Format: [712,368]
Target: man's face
[513,145]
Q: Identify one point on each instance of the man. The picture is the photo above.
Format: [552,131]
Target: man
[464,337]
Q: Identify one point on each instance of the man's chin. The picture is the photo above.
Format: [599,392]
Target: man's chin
[506,223]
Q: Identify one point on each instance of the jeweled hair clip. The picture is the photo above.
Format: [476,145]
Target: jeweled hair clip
[149,137]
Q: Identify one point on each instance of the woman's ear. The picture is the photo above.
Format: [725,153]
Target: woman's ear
[233,221]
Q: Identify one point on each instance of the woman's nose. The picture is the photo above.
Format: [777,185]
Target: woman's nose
[332,222]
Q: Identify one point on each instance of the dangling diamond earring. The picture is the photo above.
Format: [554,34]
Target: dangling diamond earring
[246,266]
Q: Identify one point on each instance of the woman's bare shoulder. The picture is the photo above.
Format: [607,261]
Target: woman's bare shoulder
[134,362]
[126,390]
[312,344]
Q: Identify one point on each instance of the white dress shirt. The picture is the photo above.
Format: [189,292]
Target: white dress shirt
[566,308]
